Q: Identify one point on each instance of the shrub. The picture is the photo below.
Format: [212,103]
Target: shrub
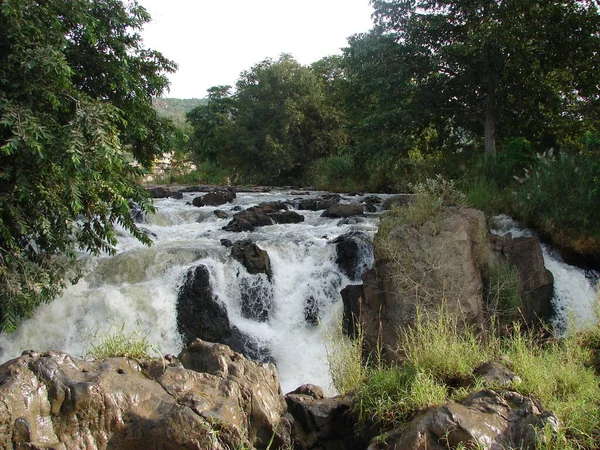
[336,172]
[503,289]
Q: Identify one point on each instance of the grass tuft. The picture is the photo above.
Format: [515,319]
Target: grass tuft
[117,343]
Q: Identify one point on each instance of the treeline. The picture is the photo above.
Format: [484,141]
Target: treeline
[432,85]
[502,96]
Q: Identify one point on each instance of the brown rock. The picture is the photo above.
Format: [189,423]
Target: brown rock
[344,210]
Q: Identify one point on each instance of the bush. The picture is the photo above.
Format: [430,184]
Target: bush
[336,173]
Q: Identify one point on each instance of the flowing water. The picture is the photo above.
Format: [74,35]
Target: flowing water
[575,290]
[137,288]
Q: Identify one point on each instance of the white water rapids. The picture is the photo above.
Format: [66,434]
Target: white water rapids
[137,288]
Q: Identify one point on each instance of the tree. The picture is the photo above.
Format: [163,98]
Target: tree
[279,121]
[519,66]
[76,126]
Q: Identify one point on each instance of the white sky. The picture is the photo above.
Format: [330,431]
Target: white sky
[214,40]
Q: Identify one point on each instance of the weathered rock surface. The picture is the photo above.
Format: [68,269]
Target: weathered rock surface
[221,214]
[354,252]
[262,215]
[487,419]
[201,315]
[252,257]
[215,400]
[215,198]
[398,200]
[342,210]
[537,282]
[434,259]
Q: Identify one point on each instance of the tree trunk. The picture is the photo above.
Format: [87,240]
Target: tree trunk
[489,127]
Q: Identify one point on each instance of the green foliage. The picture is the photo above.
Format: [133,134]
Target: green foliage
[499,69]
[117,343]
[503,292]
[336,173]
[279,121]
[75,113]
[177,108]
[560,195]
[344,357]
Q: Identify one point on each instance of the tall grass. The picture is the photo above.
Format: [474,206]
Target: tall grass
[116,342]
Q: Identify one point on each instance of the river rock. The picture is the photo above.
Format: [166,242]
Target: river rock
[319,203]
[486,419]
[342,210]
[352,296]
[201,315]
[286,217]
[215,198]
[221,214]
[398,201]
[252,257]
[53,401]
[137,214]
[261,215]
[354,252]
[323,423]
[537,282]
[442,258]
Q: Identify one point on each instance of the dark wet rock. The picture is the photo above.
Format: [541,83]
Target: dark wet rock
[375,199]
[220,214]
[226,243]
[256,216]
[201,315]
[257,292]
[352,296]
[176,195]
[286,217]
[319,203]
[137,214]
[397,201]
[323,423]
[354,252]
[537,282]
[149,233]
[343,210]
[299,193]
[492,419]
[53,401]
[215,198]
[163,192]
[252,257]
[370,207]
[312,311]
[237,208]
[197,188]
[350,221]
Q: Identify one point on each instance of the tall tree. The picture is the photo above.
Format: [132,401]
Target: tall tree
[76,122]
[517,64]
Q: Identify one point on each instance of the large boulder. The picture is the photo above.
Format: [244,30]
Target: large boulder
[537,282]
[215,198]
[256,288]
[53,401]
[423,267]
[486,419]
[342,210]
[163,192]
[354,253]
[268,213]
[201,315]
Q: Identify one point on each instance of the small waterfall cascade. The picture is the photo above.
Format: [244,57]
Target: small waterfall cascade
[137,288]
[575,290]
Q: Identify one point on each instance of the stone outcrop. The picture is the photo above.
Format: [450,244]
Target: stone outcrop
[201,315]
[212,399]
[537,282]
[434,261]
[398,201]
[486,419]
[342,210]
[252,257]
[262,215]
[353,253]
[215,198]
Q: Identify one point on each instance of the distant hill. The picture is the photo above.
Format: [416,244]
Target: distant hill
[176,108]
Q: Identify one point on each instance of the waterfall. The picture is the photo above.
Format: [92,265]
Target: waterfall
[575,296]
[138,287]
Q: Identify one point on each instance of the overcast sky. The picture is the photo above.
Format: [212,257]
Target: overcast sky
[214,40]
